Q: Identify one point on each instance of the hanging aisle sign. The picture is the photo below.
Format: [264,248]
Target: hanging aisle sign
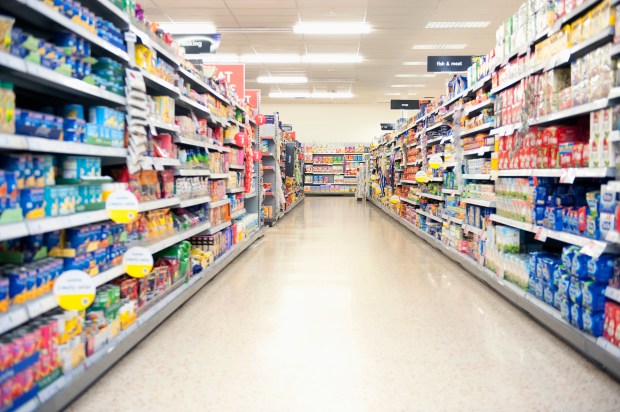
[387,126]
[199,43]
[439,64]
[404,104]
[233,74]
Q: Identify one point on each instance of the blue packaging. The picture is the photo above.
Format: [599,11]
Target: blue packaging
[17,283]
[593,295]
[607,201]
[557,300]
[602,269]
[576,316]
[557,275]
[580,266]
[548,294]
[593,227]
[32,202]
[549,265]
[566,309]
[74,130]
[592,200]
[574,291]
[567,257]
[593,322]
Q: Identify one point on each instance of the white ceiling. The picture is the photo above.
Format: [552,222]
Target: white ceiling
[397,26]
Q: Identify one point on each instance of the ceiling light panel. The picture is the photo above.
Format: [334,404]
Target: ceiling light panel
[408,85]
[282,79]
[457,24]
[331,28]
[332,58]
[439,46]
[311,95]
[414,63]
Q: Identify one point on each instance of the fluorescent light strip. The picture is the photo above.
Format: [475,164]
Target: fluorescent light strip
[311,95]
[282,58]
[414,63]
[457,24]
[331,28]
[189,28]
[416,75]
[439,46]
[408,85]
[282,79]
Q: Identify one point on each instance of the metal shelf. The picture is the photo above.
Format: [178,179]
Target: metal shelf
[204,86]
[164,126]
[429,196]
[218,203]
[192,172]
[161,86]
[216,176]
[477,177]
[43,16]
[479,202]
[482,128]
[479,107]
[236,167]
[42,145]
[430,216]
[62,392]
[472,229]
[597,349]
[583,172]
[250,195]
[409,182]
[159,162]
[479,151]
[411,202]
[188,103]
[237,213]
[218,228]
[552,234]
[572,112]
[235,190]
[196,201]
[451,192]
[150,42]
[40,79]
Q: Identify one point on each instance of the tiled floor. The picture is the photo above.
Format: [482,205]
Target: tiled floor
[339,308]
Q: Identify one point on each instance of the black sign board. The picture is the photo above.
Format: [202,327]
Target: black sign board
[287,128]
[199,43]
[404,104]
[387,126]
[437,64]
[289,165]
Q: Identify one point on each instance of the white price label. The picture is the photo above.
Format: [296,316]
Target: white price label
[482,151]
[594,249]
[153,129]
[494,174]
[541,234]
[613,237]
[613,186]
[568,176]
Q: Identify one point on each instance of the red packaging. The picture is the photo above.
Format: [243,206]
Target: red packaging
[6,355]
[612,316]
[578,154]
[6,399]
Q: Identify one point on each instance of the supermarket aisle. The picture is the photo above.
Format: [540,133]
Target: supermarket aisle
[309,319]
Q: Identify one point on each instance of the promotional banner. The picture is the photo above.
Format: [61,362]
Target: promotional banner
[252,96]
[234,75]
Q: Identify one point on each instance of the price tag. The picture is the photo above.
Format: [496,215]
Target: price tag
[131,37]
[74,290]
[594,248]
[613,237]
[494,174]
[482,151]
[138,262]
[122,206]
[568,176]
[541,234]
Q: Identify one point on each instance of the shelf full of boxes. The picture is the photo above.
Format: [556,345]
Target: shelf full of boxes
[332,169]
[271,137]
[291,169]
[73,105]
[529,201]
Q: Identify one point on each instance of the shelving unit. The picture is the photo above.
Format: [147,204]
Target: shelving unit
[37,88]
[341,158]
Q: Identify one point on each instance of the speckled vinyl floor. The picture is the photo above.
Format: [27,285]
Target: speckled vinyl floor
[339,308]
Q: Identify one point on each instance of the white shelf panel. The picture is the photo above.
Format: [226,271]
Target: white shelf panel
[451,192]
[428,215]
[158,124]
[38,74]
[481,151]
[42,145]
[411,202]
[192,105]
[196,201]
[250,195]
[164,243]
[479,107]
[216,176]
[479,202]
[148,41]
[158,204]
[451,219]
[472,229]
[218,203]
[192,172]
[480,129]
[506,130]
[477,177]
[152,81]
[235,190]
[572,112]
[429,196]
[582,172]
[159,162]
[552,234]
[435,127]
[203,85]
[409,182]
[237,213]
[218,228]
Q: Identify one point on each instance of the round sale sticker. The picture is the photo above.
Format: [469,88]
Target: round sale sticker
[138,262]
[74,290]
[421,176]
[122,206]
[435,162]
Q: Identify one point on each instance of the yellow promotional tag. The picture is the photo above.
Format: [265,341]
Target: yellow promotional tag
[395,199]
[421,177]
[435,162]
[138,262]
[74,290]
[122,206]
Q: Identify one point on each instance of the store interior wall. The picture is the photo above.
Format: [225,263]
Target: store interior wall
[335,123]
